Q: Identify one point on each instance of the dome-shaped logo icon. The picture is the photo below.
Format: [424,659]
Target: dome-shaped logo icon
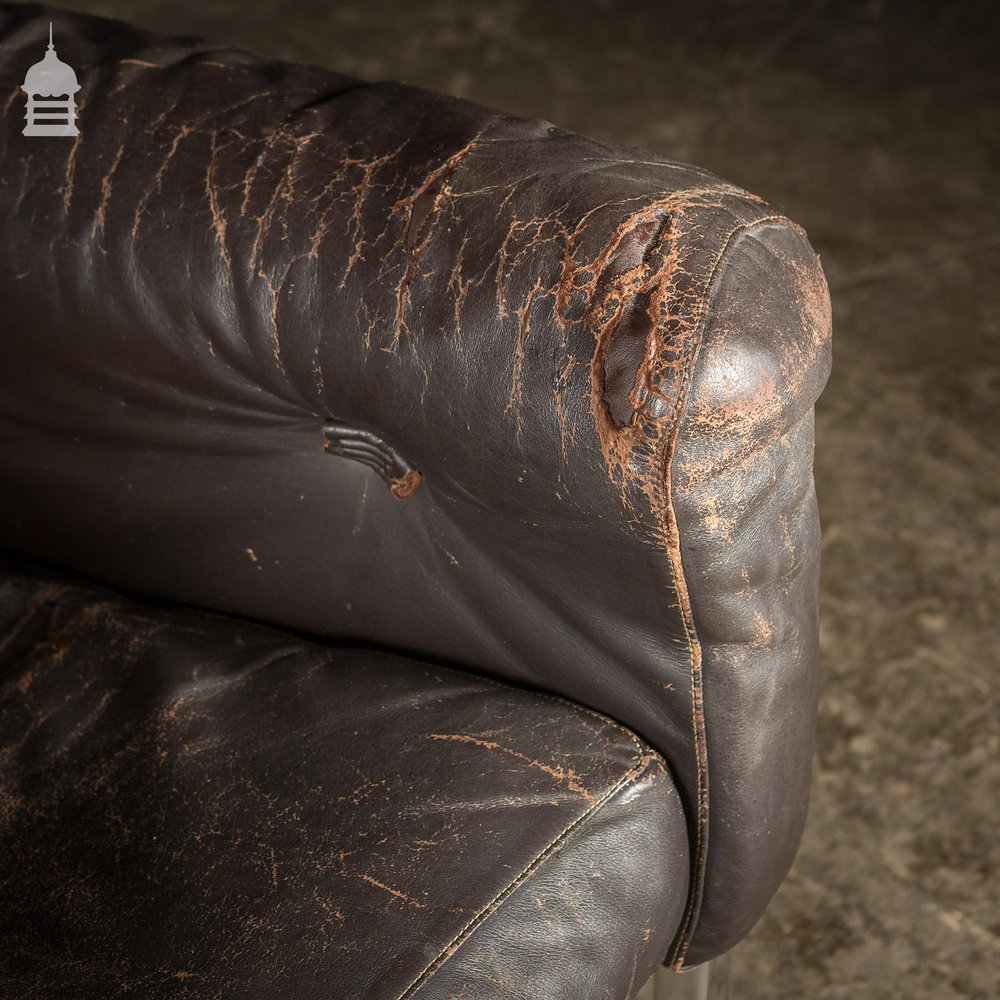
[51,87]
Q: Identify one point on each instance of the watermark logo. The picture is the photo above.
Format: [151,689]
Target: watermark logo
[51,86]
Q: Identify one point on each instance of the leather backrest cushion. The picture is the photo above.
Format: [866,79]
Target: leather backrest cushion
[380,364]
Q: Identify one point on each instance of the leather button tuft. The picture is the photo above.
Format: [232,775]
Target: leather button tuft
[345,441]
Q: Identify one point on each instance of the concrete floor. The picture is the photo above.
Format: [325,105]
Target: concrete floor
[876,126]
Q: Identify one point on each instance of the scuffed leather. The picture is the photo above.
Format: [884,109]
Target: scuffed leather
[198,807]
[742,488]
[238,255]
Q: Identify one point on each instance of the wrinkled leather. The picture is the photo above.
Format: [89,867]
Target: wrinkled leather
[199,807]
[380,364]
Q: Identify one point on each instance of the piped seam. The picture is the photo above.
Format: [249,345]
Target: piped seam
[639,767]
[670,527]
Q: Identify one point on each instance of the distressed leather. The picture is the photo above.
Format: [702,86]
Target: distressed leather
[198,807]
[384,366]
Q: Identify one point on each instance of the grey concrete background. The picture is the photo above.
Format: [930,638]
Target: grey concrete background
[876,125]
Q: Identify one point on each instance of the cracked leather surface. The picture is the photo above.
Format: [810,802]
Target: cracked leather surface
[380,364]
[192,806]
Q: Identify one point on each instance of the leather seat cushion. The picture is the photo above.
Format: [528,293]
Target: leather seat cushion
[194,805]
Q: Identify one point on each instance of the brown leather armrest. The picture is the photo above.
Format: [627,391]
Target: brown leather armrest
[381,364]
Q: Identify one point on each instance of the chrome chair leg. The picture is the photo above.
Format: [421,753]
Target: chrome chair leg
[708,982]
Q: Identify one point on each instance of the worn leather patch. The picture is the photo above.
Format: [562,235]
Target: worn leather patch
[196,806]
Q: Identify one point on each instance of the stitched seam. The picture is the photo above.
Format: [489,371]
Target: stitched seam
[699,728]
[639,766]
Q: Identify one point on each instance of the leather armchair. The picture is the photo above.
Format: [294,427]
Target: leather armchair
[410,585]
